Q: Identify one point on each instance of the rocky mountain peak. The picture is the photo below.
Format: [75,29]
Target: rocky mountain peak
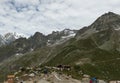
[104,32]
[9,35]
[7,38]
[55,33]
[38,35]
[107,21]
[107,18]
[110,14]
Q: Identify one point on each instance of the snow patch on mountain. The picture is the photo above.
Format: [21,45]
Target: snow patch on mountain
[117,29]
[69,36]
[15,35]
[60,37]
[10,37]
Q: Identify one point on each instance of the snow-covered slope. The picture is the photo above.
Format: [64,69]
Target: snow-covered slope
[59,37]
[9,37]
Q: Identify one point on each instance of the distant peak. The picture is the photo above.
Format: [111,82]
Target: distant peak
[38,35]
[8,34]
[110,14]
[107,18]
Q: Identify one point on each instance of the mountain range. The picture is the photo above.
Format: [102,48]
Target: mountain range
[23,45]
[95,49]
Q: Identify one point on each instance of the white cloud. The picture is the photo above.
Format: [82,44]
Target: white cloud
[29,16]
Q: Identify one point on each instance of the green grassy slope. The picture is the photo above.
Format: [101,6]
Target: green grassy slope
[103,64]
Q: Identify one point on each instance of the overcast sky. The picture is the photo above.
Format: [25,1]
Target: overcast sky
[29,16]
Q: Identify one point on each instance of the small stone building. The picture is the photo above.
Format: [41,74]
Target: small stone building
[10,78]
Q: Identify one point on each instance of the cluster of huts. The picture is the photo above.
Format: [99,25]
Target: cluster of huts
[31,72]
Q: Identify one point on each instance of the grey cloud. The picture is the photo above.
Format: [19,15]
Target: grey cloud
[29,16]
